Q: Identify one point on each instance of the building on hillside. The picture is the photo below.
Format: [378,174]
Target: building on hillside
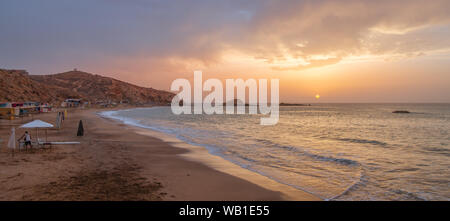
[10,110]
[71,103]
[45,108]
[30,107]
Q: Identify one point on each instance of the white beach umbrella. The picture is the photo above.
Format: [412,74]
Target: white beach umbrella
[38,124]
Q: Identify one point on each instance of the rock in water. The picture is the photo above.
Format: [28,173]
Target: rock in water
[80,132]
[401,112]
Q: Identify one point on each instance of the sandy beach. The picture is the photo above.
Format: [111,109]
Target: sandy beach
[120,162]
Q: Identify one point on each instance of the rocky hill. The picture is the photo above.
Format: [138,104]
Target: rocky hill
[18,85]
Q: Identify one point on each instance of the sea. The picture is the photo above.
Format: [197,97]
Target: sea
[333,151]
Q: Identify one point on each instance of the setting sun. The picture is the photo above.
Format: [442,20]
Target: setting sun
[317,96]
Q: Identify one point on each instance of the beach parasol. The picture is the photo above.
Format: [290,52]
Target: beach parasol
[38,124]
[12,140]
[58,120]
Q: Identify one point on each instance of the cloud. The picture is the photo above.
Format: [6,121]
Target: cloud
[304,29]
[313,63]
[67,32]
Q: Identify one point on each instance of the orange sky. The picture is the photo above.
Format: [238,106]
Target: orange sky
[346,51]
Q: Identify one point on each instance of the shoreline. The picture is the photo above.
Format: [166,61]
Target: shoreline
[200,154]
[117,162]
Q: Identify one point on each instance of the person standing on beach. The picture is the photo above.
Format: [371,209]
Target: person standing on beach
[27,138]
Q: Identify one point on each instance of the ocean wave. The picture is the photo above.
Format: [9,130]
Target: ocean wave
[133,122]
[343,161]
[298,150]
[406,195]
[362,181]
[363,141]
[437,149]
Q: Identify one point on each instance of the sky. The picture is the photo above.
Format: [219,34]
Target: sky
[346,51]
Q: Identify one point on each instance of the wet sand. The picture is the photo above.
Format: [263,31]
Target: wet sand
[120,162]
